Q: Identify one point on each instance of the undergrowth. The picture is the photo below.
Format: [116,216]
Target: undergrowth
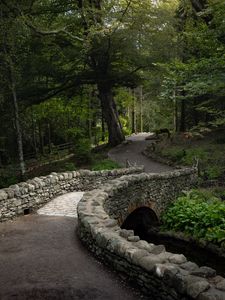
[199,214]
[105,164]
[94,162]
[211,158]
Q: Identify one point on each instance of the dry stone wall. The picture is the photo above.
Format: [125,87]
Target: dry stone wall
[155,191]
[34,193]
[160,274]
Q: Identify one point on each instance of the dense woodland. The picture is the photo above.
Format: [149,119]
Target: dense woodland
[82,73]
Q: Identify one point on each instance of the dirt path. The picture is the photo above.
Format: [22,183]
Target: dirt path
[42,258]
[133,153]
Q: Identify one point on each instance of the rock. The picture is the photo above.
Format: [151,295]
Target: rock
[138,255]
[189,266]
[70,175]
[165,256]
[149,262]
[65,176]
[177,259]
[61,177]
[212,294]
[111,223]
[221,285]
[134,238]
[3,195]
[196,285]
[204,272]
[158,249]
[123,248]
[176,279]
[9,192]
[16,190]
[125,233]
[160,269]
[144,245]
[216,279]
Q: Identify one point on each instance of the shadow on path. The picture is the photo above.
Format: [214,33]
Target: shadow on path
[42,258]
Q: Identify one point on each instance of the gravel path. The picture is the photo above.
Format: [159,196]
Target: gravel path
[132,151]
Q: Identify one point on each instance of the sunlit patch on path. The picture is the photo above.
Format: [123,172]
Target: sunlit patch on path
[64,205]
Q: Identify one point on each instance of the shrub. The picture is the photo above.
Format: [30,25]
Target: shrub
[213,172]
[197,214]
[175,154]
[191,154]
[219,192]
[105,164]
[69,166]
[211,158]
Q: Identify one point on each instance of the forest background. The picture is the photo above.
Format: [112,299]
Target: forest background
[77,74]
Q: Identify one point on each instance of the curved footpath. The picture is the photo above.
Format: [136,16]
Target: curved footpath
[132,151]
[42,258]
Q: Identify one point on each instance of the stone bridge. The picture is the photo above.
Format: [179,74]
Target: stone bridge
[26,197]
[160,274]
[114,197]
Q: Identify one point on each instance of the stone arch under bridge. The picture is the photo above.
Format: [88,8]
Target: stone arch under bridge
[141,220]
[155,191]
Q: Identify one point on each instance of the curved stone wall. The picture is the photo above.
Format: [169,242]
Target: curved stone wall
[161,274]
[34,193]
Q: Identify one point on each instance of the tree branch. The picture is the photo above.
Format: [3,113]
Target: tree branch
[53,32]
[122,16]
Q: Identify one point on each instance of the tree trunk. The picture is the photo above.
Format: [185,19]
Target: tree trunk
[111,116]
[34,133]
[141,108]
[182,116]
[103,126]
[175,118]
[12,81]
[195,112]
[18,128]
[134,127]
[41,143]
[49,138]
[90,117]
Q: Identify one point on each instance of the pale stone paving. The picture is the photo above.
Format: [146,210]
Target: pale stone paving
[64,205]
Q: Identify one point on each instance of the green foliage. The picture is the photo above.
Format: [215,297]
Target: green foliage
[104,164]
[70,166]
[219,192]
[210,156]
[125,125]
[191,154]
[7,180]
[82,151]
[214,172]
[197,214]
[175,153]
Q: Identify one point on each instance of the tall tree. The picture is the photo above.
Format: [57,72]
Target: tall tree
[9,41]
[101,43]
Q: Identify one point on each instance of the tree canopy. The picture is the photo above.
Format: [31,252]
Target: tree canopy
[97,70]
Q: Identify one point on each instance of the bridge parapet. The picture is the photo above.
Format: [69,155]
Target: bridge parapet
[153,190]
[34,193]
[160,274]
